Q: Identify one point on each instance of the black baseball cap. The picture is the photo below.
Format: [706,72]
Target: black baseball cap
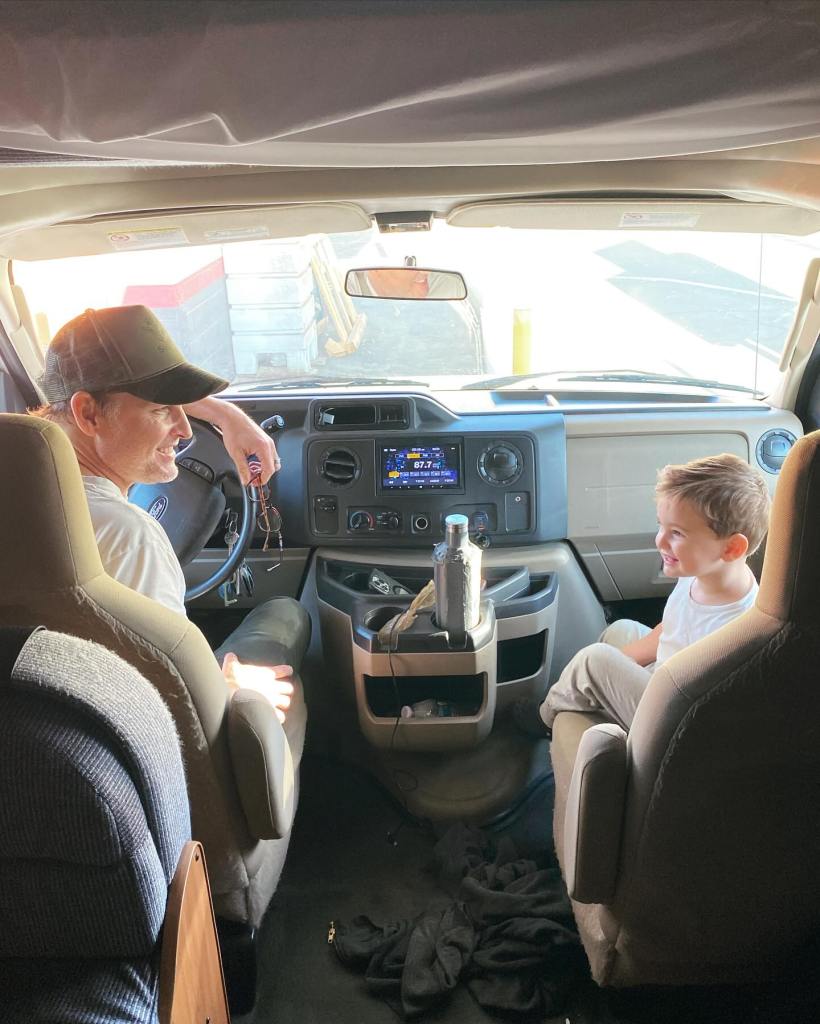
[123,348]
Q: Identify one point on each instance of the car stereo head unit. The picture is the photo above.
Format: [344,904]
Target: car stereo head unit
[425,466]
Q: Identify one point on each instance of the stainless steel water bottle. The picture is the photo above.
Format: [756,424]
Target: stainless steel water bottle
[457,575]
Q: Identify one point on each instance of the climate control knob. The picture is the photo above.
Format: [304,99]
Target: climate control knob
[500,464]
[360,520]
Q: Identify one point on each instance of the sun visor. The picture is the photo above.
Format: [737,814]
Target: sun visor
[612,215]
[170,229]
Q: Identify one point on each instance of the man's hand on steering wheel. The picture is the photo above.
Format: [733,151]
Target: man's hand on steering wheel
[240,435]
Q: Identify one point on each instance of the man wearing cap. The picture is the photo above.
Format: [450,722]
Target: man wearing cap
[121,389]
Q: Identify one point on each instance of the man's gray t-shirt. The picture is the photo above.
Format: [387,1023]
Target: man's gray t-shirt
[134,548]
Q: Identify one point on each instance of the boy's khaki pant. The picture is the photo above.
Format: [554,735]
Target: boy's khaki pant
[601,678]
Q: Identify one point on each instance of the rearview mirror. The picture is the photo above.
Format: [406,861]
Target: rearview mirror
[405,283]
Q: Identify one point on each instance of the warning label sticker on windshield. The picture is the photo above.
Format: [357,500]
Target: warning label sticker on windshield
[659,220]
[147,238]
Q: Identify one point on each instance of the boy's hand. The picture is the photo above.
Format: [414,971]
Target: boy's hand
[645,650]
[271,682]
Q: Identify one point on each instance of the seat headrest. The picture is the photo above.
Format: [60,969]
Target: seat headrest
[93,803]
[790,582]
[48,539]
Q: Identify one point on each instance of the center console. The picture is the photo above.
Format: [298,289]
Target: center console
[367,483]
[505,656]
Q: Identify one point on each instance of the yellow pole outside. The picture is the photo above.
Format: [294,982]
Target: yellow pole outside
[522,341]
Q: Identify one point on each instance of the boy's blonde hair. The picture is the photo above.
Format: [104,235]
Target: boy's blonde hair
[730,495]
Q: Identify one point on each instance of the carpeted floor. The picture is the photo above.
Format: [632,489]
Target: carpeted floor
[341,864]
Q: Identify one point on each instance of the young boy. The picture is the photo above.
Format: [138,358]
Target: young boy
[712,514]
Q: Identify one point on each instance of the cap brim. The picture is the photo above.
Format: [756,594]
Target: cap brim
[178,386]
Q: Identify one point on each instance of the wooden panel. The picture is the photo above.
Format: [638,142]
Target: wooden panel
[192,986]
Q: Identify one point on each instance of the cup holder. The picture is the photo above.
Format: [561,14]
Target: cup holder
[378,617]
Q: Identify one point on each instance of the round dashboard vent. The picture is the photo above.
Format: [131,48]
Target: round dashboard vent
[772,449]
[339,467]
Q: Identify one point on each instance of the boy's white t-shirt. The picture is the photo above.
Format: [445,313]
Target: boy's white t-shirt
[685,621]
[134,548]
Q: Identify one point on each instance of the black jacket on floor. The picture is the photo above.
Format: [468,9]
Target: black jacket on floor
[507,932]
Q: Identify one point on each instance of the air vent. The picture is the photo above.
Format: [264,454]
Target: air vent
[345,417]
[339,467]
[362,416]
[772,449]
[391,415]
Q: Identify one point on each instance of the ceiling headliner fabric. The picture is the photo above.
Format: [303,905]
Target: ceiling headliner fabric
[409,83]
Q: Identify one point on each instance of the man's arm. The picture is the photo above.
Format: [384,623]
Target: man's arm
[645,650]
[241,435]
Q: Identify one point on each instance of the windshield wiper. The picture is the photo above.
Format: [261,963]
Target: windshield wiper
[615,376]
[329,382]
[489,383]
[638,377]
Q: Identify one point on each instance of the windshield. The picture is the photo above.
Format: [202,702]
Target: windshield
[622,304]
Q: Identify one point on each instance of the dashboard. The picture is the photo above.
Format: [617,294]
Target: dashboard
[381,469]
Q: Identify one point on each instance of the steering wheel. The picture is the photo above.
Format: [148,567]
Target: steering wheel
[190,507]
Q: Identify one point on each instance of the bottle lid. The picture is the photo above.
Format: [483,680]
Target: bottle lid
[457,522]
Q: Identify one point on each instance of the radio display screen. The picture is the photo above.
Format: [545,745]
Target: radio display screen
[424,467]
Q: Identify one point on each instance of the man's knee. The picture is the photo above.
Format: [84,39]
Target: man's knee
[285,622]
[274,633]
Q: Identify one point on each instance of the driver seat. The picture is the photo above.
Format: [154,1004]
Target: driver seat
[241,765]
